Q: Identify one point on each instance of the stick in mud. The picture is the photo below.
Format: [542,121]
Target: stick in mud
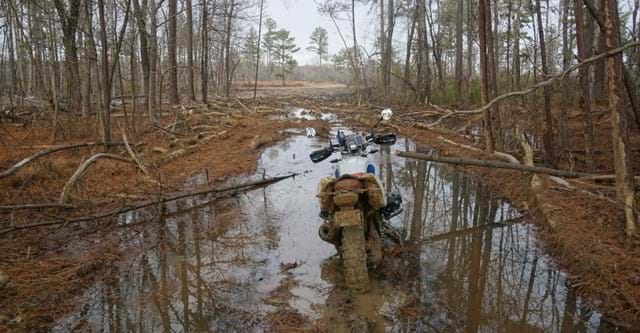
[232,190]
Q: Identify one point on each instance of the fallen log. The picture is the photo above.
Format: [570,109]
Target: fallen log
[503,156]
[221,192]
[492,164]
[46,152]
[35,206]
[82,169]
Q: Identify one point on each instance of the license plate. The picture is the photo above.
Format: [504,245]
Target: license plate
[346,218]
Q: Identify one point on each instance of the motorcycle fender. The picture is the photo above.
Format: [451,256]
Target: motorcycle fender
[347,218]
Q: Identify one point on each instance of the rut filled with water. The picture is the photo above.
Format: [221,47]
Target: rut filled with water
[469,261]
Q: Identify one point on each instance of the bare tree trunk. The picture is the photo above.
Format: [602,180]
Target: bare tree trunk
[69,22]
[153,59]
[423,76]
[493,79]
[583,76]
[484,74]
[227,49]
[625,187]
[391,17]
[407,59]
[458,67]
[190,70]
[382,42]
[516,49]
[436,49]
[549,147]
[141,12]
[87,64]
[204,70]
[106,76]
[356,53]
[134,92]
[566,51]
[508,45]
[172,50]
[54,84]
[599,69]
[470,66]
[258,47]
[13,68]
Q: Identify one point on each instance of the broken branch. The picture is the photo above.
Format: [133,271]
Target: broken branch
[82,169]
[46,152]
[133,155]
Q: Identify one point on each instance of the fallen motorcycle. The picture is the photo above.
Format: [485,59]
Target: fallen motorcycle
[354,205]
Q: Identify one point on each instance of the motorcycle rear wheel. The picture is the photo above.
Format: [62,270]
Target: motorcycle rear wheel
[354,258]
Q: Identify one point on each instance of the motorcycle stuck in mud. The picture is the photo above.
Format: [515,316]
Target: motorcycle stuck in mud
[353,203]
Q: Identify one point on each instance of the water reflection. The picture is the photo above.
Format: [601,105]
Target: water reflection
[467,263]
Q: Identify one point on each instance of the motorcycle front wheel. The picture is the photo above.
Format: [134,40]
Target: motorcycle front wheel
[354,258]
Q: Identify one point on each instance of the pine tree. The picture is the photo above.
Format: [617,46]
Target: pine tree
[249,50]
[284,46]
[319,43]
[268,41]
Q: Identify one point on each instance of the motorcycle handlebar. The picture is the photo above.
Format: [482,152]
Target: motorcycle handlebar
[321,155]
[324,153]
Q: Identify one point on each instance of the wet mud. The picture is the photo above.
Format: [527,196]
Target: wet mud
[468,261]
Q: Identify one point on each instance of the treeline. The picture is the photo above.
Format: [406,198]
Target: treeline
[433,48]
[79,54]
[85,56]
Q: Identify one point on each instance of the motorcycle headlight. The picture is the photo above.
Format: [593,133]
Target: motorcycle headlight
[353,146]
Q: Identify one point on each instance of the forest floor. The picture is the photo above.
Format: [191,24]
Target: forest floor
[225,140]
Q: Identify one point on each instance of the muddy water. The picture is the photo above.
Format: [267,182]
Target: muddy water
[468,262]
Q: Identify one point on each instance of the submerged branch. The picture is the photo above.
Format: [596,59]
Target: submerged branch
[493,164]
[222,192]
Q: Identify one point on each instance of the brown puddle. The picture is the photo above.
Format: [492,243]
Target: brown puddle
[468,262]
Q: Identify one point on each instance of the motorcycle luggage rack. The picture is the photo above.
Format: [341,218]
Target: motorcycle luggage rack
[327,193]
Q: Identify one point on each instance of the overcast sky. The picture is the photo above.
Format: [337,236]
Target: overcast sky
[301,17]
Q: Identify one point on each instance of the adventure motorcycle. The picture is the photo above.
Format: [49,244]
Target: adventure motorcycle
[354,204]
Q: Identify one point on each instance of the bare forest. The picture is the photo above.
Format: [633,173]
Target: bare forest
[147,148]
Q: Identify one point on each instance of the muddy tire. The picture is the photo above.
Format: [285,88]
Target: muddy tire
[374,248]
[354,259]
